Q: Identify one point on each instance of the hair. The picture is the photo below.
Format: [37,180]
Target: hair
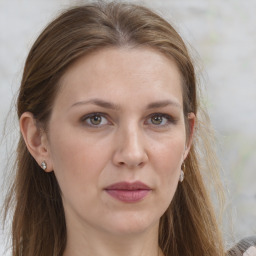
[189,226]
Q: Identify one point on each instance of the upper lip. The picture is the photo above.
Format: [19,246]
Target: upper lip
[138,185]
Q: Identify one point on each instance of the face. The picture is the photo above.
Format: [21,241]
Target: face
[117,139]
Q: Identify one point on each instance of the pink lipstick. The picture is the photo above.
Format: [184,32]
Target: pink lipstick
[128,192]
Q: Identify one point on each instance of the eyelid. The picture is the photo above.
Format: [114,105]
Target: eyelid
[87,116]
[170,119]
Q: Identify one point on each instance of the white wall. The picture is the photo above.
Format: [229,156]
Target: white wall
[224,35]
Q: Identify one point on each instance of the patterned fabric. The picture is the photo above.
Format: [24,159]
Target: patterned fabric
[246,247]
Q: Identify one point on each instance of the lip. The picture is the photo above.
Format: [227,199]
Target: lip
[128,192]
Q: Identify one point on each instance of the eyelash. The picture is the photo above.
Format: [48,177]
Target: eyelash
[91,115]
[169,119]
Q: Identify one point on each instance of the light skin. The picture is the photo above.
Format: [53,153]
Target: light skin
[117,117]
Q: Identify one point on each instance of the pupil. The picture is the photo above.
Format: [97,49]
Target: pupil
[96,120]
[157,120]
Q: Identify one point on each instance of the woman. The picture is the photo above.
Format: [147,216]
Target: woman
[108,158]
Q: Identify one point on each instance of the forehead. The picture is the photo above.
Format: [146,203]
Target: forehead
[117,72]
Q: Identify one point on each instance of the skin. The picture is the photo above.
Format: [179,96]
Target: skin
[132,139]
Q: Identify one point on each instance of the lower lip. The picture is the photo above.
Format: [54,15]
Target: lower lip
[128,196]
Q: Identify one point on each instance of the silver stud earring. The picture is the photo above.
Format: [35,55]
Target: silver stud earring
[182,174]
[44,165]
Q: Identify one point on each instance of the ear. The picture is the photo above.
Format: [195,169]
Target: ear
[35,139]
[191,123]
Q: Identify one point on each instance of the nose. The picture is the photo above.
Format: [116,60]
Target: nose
[130,150]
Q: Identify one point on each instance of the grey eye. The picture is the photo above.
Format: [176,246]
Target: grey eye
[96,120]
[157,120]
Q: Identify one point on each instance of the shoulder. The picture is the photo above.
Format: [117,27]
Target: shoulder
[250,252]
[245,247]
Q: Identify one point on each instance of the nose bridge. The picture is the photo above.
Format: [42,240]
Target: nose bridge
[132,138]
[131,148]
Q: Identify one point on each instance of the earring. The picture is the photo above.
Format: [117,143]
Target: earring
[182,173]
[44,165]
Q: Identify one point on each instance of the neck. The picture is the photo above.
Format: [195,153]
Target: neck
[93,242]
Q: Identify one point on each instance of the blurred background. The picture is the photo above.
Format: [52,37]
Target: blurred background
[222,38]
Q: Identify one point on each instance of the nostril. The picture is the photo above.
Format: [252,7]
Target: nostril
[140,164]
[130,156]
[133,165]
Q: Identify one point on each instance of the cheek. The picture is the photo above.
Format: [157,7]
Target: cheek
[74,150]
[168,161]
[76,162]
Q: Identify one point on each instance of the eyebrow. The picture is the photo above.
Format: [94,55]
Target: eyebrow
[110,105]
[98,102]
[164,103]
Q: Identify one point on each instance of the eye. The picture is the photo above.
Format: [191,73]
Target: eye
[160,119]
[95,120]
[157,120]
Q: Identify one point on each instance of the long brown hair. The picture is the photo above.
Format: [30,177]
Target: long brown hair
[189,225]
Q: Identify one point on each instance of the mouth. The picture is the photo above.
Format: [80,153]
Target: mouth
[128,192]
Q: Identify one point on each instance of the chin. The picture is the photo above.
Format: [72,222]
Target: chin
[134,224]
